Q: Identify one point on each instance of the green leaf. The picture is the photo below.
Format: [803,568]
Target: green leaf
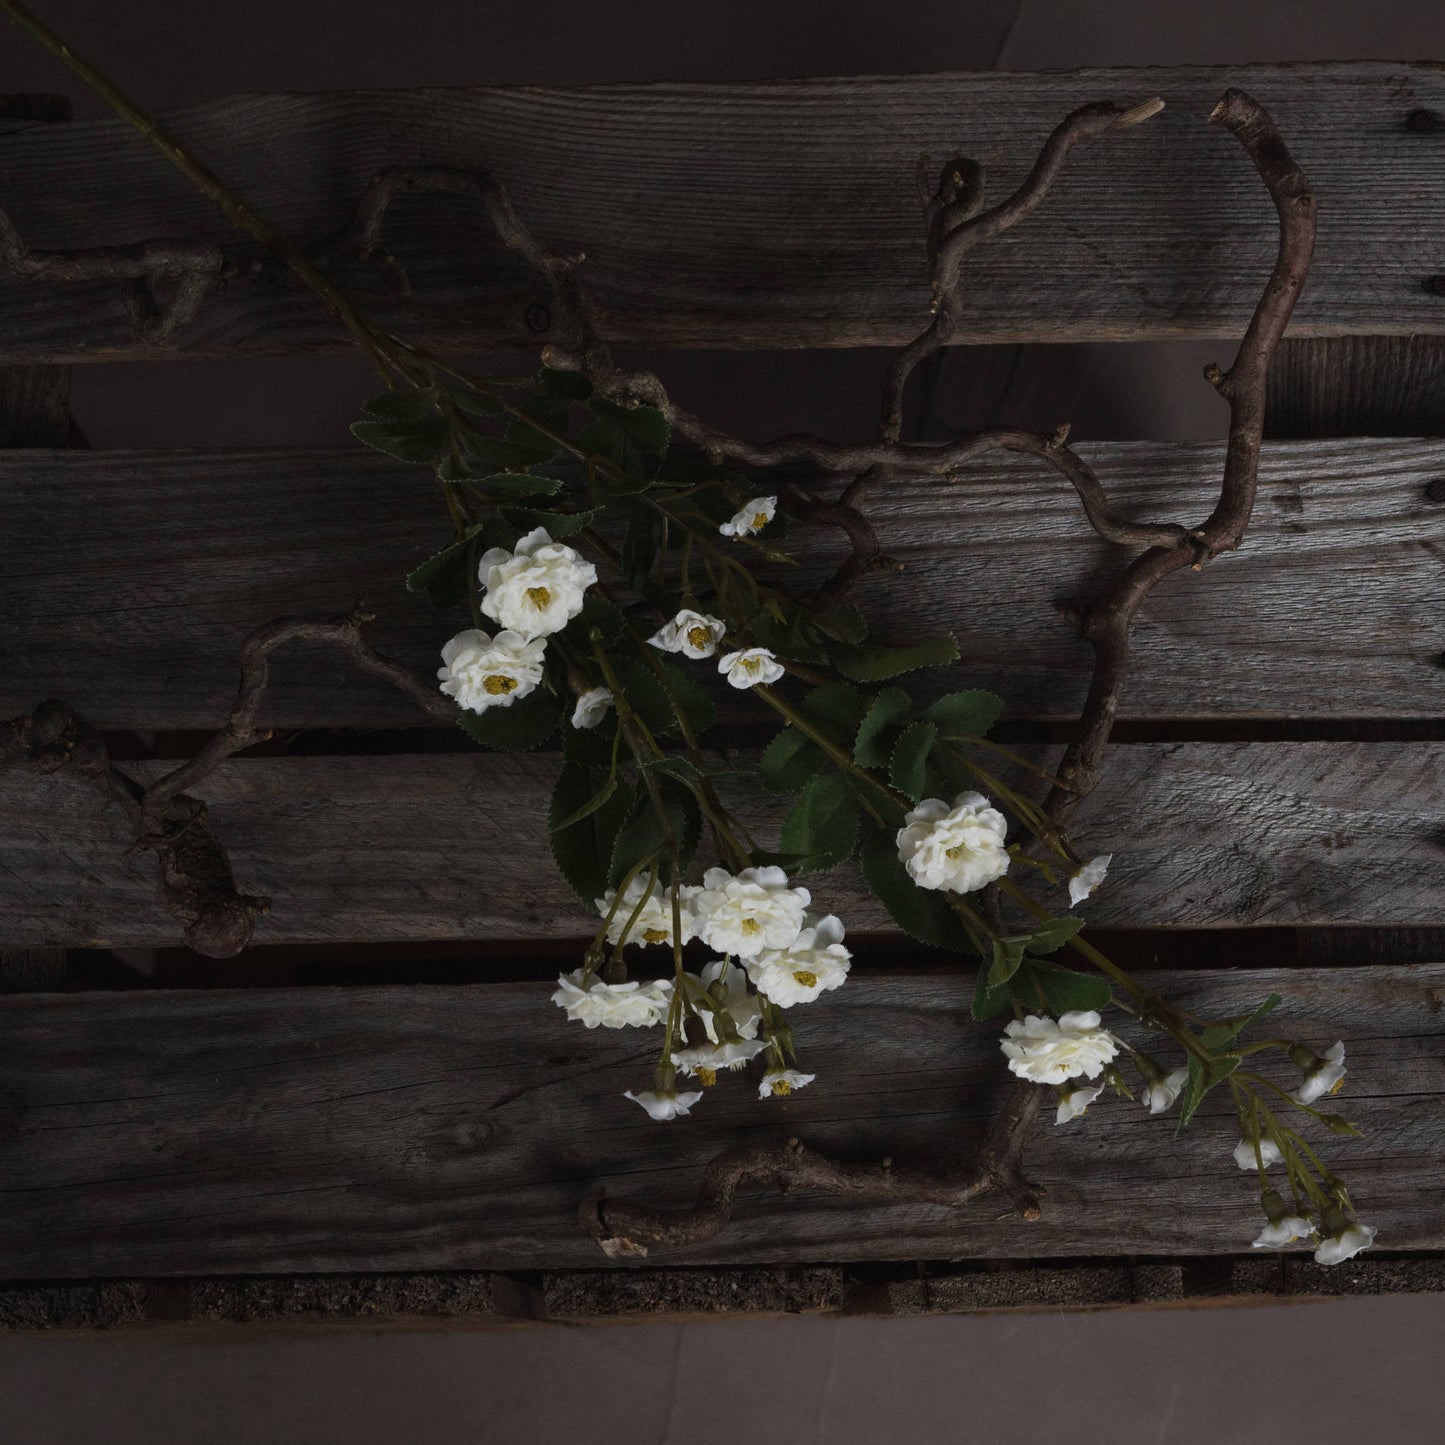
[644,426]
[1065,990]
[697,707]
[443,577]
[876,664]
[880,729]
[473,402]
[909,766]
[989,1000]
[965,714]
[1202,1078]
[922,913]
[571,385]
[1221,1035]
[558,524]
[642,834]
[833,709]
[553,412]
[843,624]
[823,824]
[425,442]
[583,849]
[1053,935]
[585,810]
[641,543]
[519,728]
[513,486]
[598,612]
[790,760]
[494,454]
[613,445]
[591,745]
[1008,955]
[402,406]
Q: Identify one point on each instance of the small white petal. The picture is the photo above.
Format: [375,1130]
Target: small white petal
[1268,1153]
[591,707]
[663,1105]
[751,666]
[1345,1243]
[1088,878]
[778,1083]
[754,516]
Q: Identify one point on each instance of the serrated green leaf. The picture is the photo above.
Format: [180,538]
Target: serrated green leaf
[641,544]
[443,577]
[685,693]
[513,486]
[790,760]
[473,402]
[402,406]
[1053,935]
[642,834]
[843,624]
[551,412]
[1202,1078]
[585,810]
[908,767]
[876,664]
[823,824]
[519,728]
[571,385]
[583,850]
[880,730]
[921,913]
[558,524]
[1008,955]
[610,443]
[1065,990]
[834,710]
[423,442]
[1221,1035]
[592,746]
[490,454]
[989,1001]
[644,426]
[598,612]
[965,714]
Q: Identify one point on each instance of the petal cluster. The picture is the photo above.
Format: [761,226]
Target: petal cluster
[751,666]
[959,848]
[694,634]
[535,589]
[1345,1241]
[752,518]
[815,962]
[1074,1098]
[613,1005]
[744,914]
[483,672]
[779,1083]
[653,923]
[1049,1051]
[663,1104]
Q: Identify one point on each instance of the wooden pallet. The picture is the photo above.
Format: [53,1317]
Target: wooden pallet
[418,1150]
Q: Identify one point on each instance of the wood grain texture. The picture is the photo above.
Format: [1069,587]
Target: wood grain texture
[318,1130]
[449,847]
[764,215]
[1379,386]
[127,581]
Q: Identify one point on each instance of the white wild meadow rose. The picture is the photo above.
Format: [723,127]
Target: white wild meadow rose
[1160,1094]
[1268,1153]
[1074,1099]
[705,1060]
[753,517]
[1344,1241]
[1088,878]
[654,922]
[663,1104]
[779,1083]
[750,667]
[958,848]
[536,589]
[482,672]
[1049,1051]
[744,914]
[694,634]
[739,1002]
[1323,1076]
[813,963]
[591,707]
[613,1005]
[1282,1232]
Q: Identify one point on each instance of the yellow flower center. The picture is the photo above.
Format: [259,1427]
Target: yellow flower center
[751,926]
[539,597]
[498,685]
[1337,1085]
[760,520]
[654,935]
[752,664]
[957,851]
[806,977]
[699,636]
[707,1077]
[782,1088]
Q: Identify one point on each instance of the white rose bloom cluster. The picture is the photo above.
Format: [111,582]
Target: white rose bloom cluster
[754,516]
[694,634]
[1049,1051]
[959,848]
[654,921]
[744,914]
[482,672]
[813,963]
[751,666]
[613,1005]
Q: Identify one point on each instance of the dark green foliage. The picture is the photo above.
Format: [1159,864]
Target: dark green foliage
[921,913]
[909,765]
[880,730]
[876,664]
[822,828]
[965,714]
[790,760]
[519,728]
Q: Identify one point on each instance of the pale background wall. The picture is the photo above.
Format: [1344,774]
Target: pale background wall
[1321,1373]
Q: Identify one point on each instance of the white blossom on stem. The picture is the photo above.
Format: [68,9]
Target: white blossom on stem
[1322,1076]
[535,589]
[1160,1094]
[694,634]
[744,914]
[664,1104]
[1048,1051]
[958,848]
[1074,1099]
[1282,1232]
[779,1083]
[754,516]
[613,1005]
[1269,1153]
[1347,1237]
[591,707]
[654,923]
[1088,878]
[751,666]
[706,1060]
[813,963]
[482,672]
[739,1002]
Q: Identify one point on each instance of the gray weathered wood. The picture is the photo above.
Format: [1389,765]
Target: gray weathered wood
[451,846]
[1382,386]
[317,1130]
[34,410]
[777,214]
[127,581]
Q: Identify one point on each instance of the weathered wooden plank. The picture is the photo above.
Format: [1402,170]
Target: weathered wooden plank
[776,214]
[1381,386]
[451,846]
[127,581]
[319,1130]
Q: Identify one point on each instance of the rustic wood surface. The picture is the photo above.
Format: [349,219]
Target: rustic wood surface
[782,214]
[251,1131]
[1358,386]
[451,847]
[127,581]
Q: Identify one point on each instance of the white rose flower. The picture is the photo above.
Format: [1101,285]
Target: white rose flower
[1088,878]
[813,963]
[1160,1094]
[754,516]
[664,1104]
[741,1004]
[745,914]
[482,672]
[959,848]
[750,667]
[591,707]
[1268,1153]
[1281,1232]
[779,1083]
[704,1060]
[1048,1052]
[654,922]
[1344,1241]
[613,1005]
[694,634]
[1322,1076]
[537,589]
[1074,1099]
